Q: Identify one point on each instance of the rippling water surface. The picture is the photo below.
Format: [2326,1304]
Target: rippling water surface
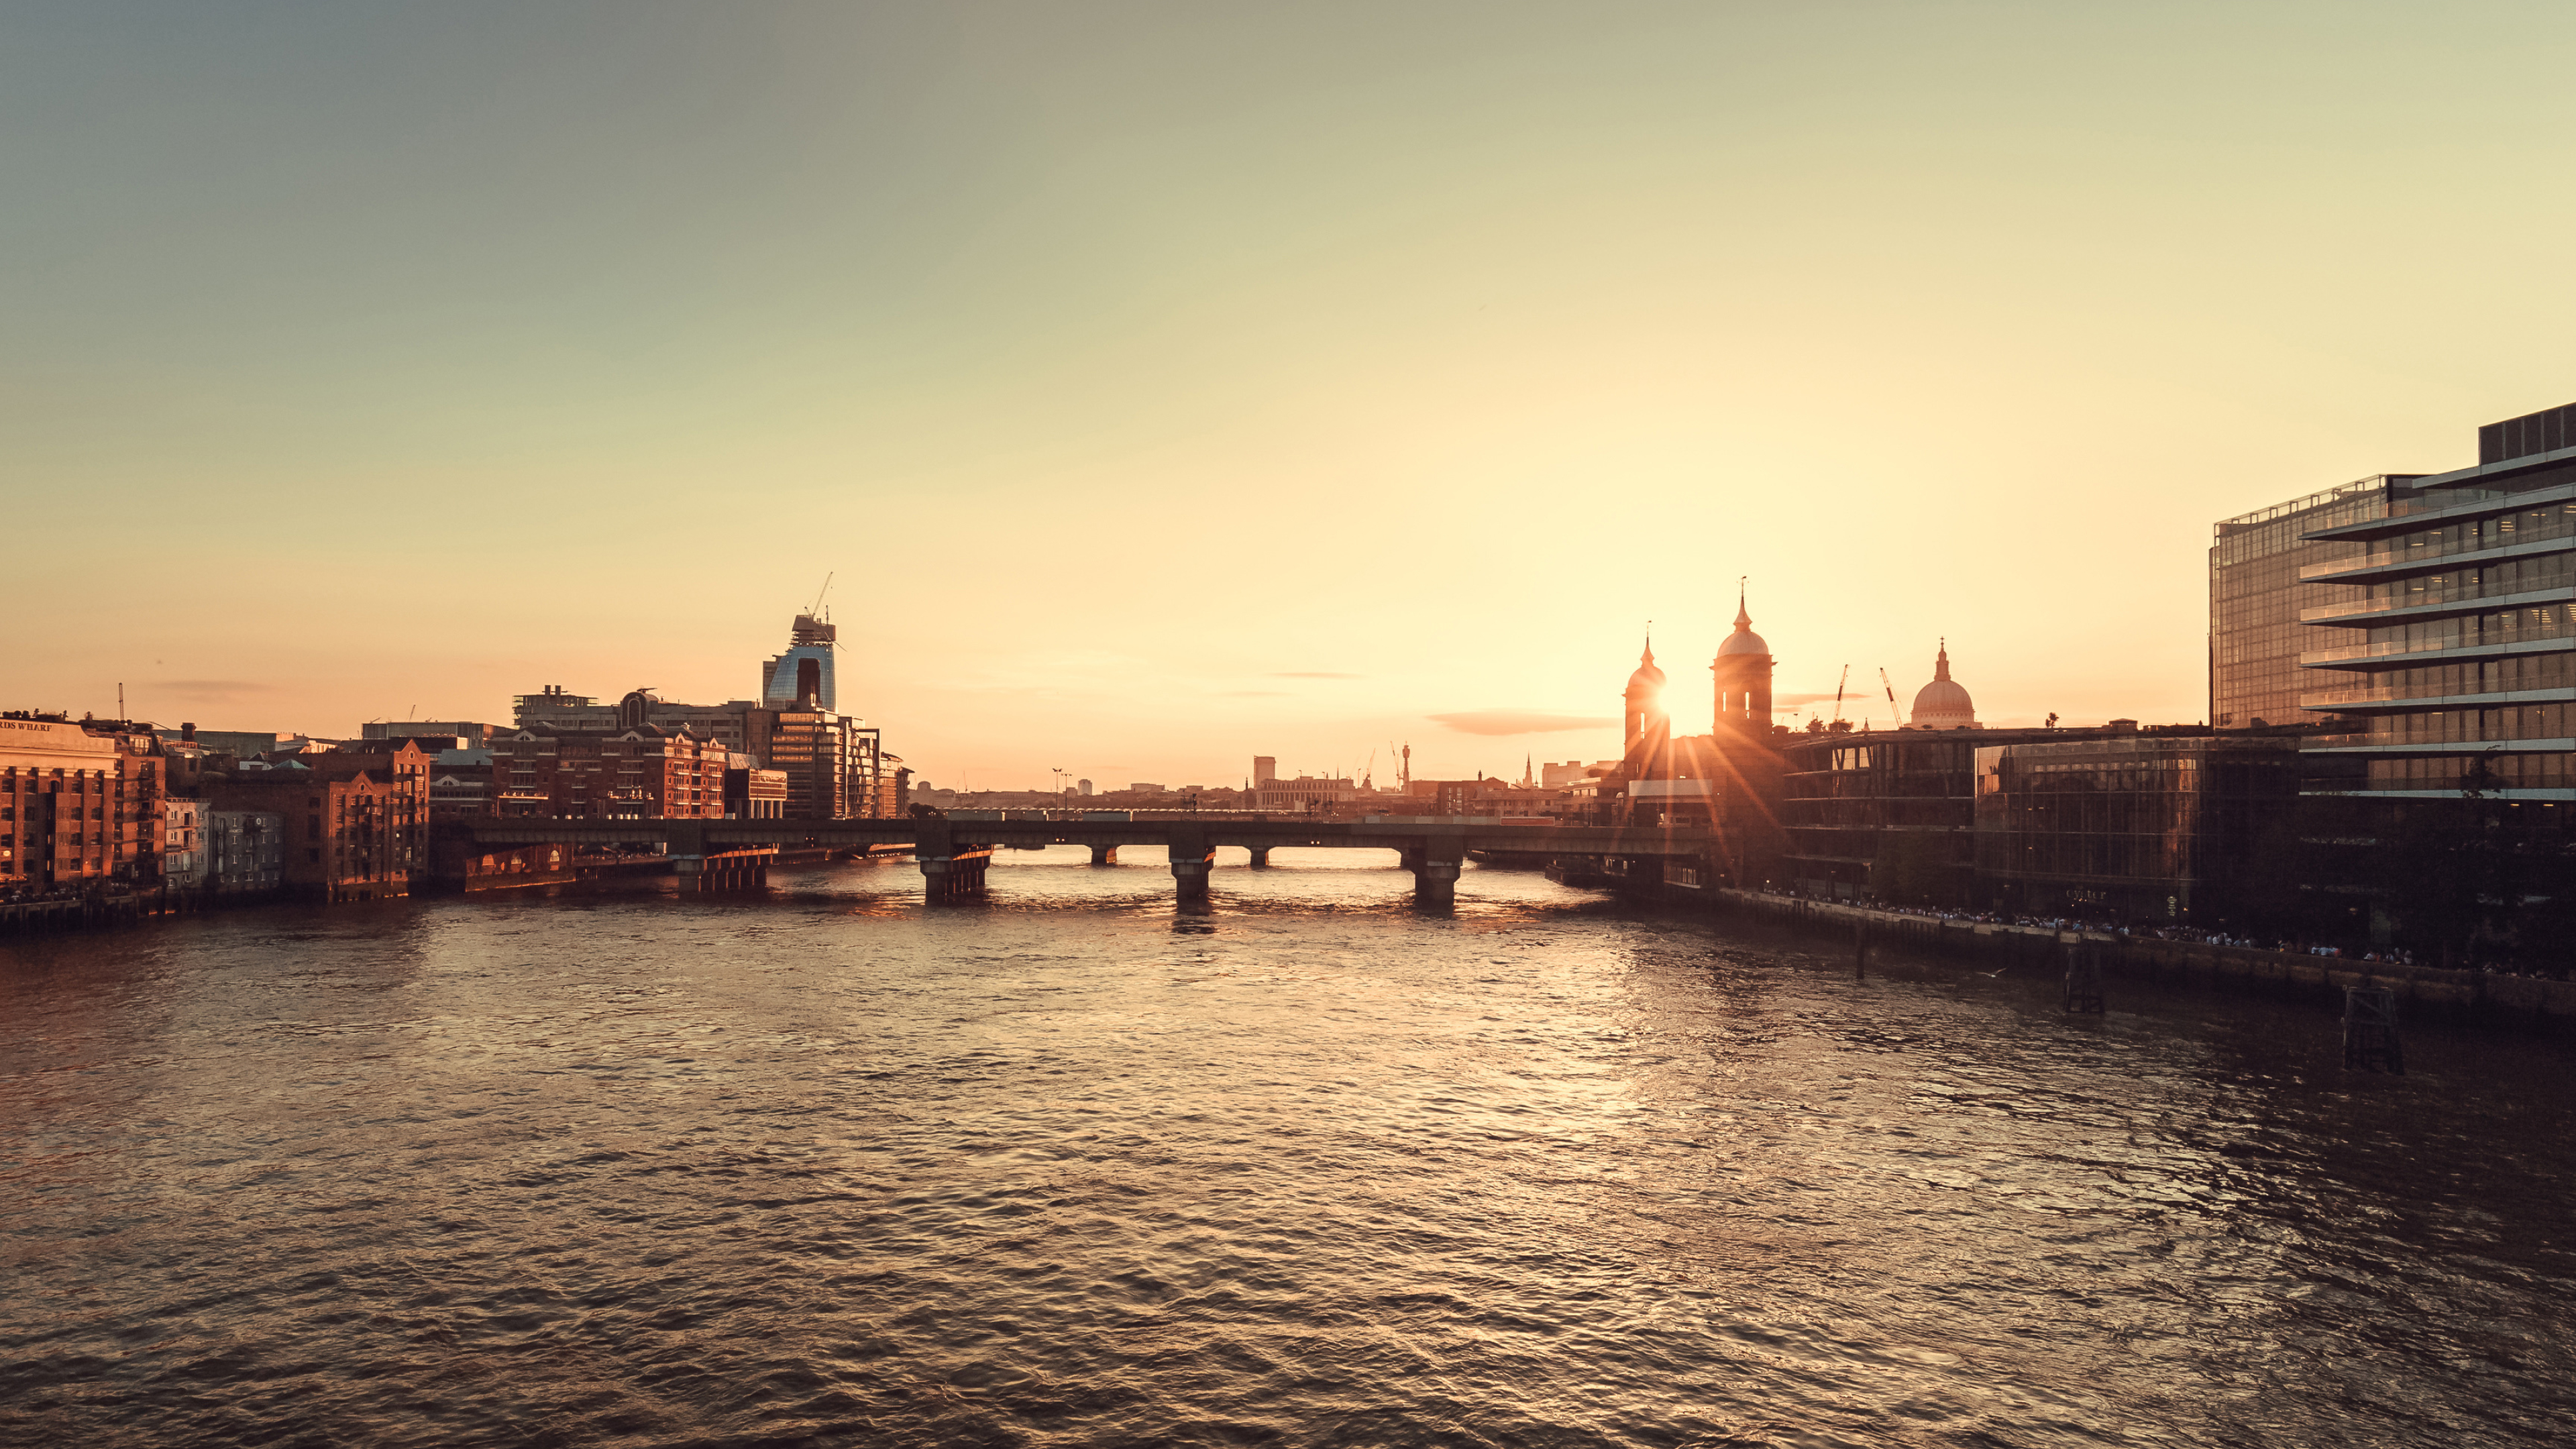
[832,1167]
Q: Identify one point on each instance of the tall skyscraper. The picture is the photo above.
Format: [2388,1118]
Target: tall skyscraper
[2257,589]
[805,670]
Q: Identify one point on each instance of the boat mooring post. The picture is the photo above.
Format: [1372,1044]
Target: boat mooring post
[2370,1030]
[2084,978]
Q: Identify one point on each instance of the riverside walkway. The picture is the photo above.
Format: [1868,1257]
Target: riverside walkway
[2538,999]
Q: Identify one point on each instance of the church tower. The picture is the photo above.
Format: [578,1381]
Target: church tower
[1645,699]
[1743,676]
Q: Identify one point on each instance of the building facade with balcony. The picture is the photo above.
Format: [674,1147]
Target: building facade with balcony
[2449,646]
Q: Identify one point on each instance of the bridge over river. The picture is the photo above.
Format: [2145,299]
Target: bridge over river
[953,851]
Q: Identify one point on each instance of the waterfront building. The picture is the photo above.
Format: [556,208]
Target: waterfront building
[753,793]
[244,850]
[838,765]
[642,773]
[2452,651]
[2131,826]
[64,806]
[738,725]
[183,855]
[343,830]
[2265,568]
[1573,772]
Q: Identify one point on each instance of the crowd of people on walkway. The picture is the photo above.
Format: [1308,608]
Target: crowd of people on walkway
[2190,934]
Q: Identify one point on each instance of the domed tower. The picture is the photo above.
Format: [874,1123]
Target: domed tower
[1944,704]
[1645,698]
[1743,671]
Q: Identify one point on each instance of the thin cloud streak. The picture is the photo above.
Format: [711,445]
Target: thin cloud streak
[1519,722]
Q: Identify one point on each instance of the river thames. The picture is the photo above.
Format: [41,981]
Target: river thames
[1073,1167]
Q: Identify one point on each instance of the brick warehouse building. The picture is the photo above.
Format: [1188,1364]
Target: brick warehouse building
[644,772]
[77,808]
[354,825]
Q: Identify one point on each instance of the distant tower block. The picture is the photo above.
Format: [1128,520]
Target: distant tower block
[805,670]
[1265,768]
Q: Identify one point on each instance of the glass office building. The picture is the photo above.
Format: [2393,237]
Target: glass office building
[2256,592]
[2138,828]
[2445,636]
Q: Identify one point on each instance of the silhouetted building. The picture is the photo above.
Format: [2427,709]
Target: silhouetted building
[2129,827]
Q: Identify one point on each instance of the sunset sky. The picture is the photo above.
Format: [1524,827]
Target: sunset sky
[1167,384]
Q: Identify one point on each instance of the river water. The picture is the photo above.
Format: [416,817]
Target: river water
[1074,1167]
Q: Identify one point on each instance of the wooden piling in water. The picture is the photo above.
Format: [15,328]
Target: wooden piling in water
[2083,978]
[2370,1030]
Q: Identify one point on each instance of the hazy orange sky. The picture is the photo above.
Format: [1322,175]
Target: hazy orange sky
[1167,384]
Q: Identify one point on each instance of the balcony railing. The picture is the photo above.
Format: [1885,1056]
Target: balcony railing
[2381,650]
[2357,606]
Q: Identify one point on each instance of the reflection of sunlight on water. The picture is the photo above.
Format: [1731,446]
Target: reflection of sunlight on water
[1074,1165]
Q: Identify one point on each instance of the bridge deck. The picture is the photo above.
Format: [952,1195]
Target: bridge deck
[1445,837]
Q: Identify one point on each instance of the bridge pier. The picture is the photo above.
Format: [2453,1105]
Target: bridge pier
[1104,855]
[958,877]
[1260,856]
[1191,858]
[1435,879]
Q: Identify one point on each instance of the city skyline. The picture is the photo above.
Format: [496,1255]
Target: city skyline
[1291,384]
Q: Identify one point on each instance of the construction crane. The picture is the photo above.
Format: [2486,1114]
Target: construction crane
[1891,698]
[1368,776]
[1838,693]
[815,609]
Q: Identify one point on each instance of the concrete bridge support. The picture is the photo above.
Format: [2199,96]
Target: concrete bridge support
[713,874]
[1104,855]
[958,877]
[1191,858]
[1435,878]
[1260,856]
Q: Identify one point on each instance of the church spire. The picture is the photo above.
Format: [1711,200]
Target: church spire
[1941,665]
[1743,620]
